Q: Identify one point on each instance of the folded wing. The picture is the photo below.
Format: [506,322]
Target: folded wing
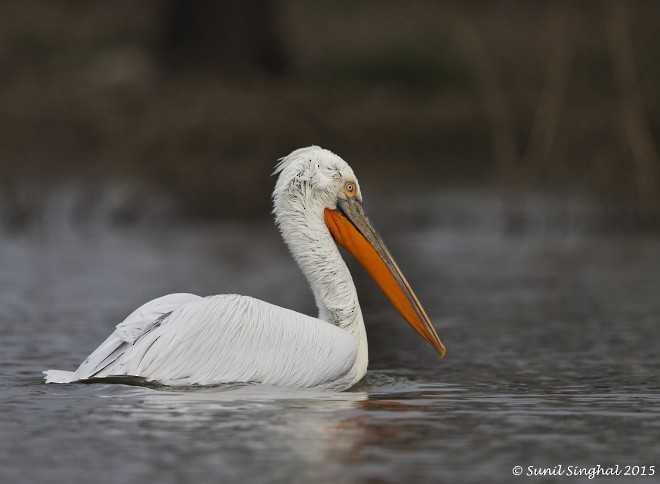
[187,340]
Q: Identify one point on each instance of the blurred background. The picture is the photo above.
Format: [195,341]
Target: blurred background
[110,109]
[507,152]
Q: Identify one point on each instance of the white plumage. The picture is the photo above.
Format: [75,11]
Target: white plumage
[183,339]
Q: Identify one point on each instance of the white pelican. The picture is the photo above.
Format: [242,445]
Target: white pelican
[183,339]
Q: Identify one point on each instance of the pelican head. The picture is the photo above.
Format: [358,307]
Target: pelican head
[317,198]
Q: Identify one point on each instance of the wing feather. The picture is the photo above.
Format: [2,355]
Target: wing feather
[140,322]
[229,339]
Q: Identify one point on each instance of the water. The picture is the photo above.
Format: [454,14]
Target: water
[552,337]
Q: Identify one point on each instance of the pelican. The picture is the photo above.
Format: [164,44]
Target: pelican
[188,340]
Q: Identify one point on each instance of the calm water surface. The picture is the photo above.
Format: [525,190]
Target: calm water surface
[552,337]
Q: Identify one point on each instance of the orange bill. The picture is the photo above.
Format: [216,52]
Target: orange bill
[351,229]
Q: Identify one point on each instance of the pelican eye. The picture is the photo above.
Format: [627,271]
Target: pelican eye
[349,189]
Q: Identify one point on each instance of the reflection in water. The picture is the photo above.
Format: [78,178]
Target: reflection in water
[319,433]
[296,423]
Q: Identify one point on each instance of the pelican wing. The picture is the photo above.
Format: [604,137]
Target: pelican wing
[226,339]
[137,324]
[149,315]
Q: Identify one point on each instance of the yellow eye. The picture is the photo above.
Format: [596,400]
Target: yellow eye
[349,188]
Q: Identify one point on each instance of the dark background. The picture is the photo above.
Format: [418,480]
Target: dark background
[193,101]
